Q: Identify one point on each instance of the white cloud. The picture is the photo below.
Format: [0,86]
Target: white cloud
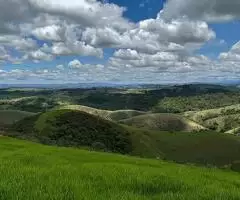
[209,10]
[127,54]
[179,31]
[60,67]
[38,55]
[159,48]
[93,13]
[18,42]
[75,64]
[52,33]
[76,48]
[233,55]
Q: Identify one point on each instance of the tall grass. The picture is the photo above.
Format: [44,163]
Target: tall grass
[32,171]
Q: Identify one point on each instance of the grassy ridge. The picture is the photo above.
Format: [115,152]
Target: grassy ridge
[34,171]
[221,119]
[105,114]
[163,122]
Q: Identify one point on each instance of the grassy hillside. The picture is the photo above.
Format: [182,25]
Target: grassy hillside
[76,128]
[8,117]
[105,114]
[163,122]
[33,171]
[204,148]
[221,119]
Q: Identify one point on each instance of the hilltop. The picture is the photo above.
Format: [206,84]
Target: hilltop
[75,128]
[222,119]
[105,114]
[163,122]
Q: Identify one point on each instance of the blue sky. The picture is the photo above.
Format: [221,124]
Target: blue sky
[147,41]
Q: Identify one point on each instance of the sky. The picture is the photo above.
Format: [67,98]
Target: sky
[120,41]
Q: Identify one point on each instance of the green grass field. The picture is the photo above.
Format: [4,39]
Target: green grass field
[32,171]
[204,148]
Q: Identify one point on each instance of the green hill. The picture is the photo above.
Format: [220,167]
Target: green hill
[203,148]
[8,117]
[105,114]
[163,122]
[33,171]
[221,119]
[76,128]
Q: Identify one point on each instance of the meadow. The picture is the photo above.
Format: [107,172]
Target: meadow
[34,171]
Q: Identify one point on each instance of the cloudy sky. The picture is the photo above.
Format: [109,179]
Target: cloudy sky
[137,41]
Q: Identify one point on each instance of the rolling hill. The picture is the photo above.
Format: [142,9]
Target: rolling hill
[163,122]
[204,148]
[34,171]
[79,129]
[76,128]
[105,114]
[222,119]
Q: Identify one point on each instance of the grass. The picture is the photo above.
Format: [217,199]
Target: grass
[8,117]
[33,171]
[221,119]
[105,114]
[203,148]
[163,122]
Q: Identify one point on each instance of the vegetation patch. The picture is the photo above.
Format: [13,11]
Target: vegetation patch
[222,119]
[75,128]
[163,122]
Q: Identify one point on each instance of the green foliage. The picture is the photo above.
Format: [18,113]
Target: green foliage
[75,128]
[195,103]
[31,171]
[29,104]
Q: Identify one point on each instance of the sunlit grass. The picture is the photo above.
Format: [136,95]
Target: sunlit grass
[32,171]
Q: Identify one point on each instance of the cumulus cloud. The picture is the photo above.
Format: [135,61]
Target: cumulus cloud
[41,30]
[75,64]
[232,55]
[38,55]
[208,10]
[52,33]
